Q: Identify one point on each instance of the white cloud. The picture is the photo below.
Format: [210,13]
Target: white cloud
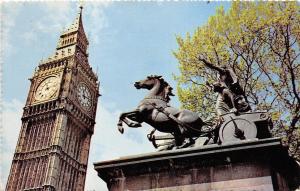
[7,22]
[55,17]
[96,20]
[59,15]
[107,143]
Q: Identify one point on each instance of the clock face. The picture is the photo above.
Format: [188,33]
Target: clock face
[47,88]
[84,96]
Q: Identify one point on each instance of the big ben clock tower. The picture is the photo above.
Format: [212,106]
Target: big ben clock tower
[58,119]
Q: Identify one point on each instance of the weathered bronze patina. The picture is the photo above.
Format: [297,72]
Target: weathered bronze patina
[155,110]
[231,96]
[235,121]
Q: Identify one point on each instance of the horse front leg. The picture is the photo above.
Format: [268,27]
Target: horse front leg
[120,126]
[126,118]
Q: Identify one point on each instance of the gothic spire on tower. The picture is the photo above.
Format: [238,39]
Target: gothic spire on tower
[71,41]
[74,35]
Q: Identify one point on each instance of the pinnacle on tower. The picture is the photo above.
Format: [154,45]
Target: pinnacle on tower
[76,25]
[71,40]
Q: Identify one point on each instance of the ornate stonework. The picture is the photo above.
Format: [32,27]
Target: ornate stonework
[58,119]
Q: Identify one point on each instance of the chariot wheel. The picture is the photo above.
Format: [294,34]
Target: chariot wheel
[236,129]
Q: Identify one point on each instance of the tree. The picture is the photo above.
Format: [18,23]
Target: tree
[260,42]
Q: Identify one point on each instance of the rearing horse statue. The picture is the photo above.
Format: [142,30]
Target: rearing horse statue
[155,110]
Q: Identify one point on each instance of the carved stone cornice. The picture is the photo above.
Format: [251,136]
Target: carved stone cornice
[47,108]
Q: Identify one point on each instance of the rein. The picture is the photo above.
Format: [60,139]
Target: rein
[157,97]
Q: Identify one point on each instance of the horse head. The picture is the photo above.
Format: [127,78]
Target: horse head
[147,83]
[157,85]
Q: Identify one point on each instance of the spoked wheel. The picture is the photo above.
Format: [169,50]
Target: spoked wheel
[237,129]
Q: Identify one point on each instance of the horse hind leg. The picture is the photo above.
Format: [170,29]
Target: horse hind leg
[179,139]
[130,123]
[198,124]
[186,143]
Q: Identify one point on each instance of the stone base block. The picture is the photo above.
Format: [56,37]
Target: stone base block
[260,165]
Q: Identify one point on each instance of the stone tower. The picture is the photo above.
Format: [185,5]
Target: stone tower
[58,119]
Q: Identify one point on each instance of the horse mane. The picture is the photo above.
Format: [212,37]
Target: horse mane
[165,85]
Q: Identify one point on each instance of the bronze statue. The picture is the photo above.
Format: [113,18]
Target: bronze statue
[228,101]
[231,96]
[227,76]
[225,100]
[184,126]
[155,110]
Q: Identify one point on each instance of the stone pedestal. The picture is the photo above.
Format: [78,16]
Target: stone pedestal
[260,165]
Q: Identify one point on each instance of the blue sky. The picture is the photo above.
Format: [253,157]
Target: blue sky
[128,41]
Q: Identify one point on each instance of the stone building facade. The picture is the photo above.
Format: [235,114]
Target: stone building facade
[58,119]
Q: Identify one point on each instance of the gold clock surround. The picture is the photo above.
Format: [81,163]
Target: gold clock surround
[47,88]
